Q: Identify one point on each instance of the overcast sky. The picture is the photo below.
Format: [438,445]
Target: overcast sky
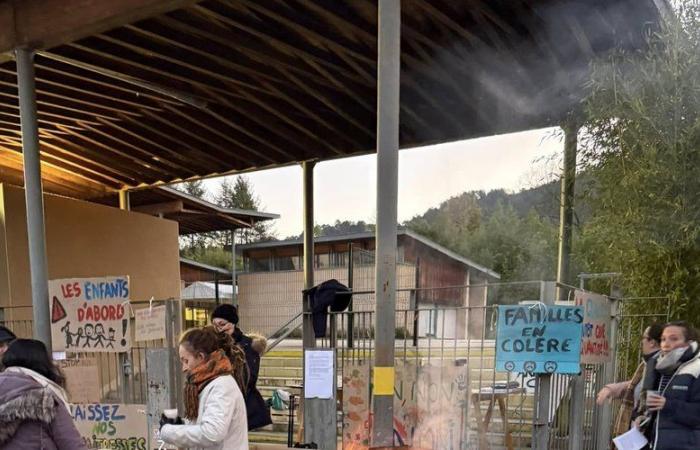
[345,189]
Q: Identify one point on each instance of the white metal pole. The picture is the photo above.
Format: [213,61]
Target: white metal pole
[388,88]
[33,196]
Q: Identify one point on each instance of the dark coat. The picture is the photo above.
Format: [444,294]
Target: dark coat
[258,411]
[33,418]
[330,293]
[677,426]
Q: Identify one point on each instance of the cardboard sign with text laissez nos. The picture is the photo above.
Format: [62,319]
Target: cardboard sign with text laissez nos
[90,314]
[110,426]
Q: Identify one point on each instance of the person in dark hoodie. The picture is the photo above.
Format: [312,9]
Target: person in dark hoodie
[34,411]
[225,319]
[671,392]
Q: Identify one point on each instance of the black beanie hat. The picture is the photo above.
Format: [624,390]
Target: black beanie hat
[6,335]
[226,312]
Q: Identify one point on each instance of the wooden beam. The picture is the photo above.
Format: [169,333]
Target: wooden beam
[41,24]
[172,207]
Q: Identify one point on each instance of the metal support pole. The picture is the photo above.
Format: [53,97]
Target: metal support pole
[308,173]
[351,276]
[33,196]
[543,389]
[124,200]
[125,358]
[566,209]
[234,295]
[309,406]
[388,88]
[566,218]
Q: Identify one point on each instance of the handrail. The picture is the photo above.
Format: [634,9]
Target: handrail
[285,334]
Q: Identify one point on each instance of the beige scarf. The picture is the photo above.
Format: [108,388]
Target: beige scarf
[57,390]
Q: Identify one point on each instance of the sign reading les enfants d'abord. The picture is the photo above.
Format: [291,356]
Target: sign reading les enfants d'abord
[90,314]
[539,339]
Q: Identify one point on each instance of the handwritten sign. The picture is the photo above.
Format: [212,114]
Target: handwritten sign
[539,339]
[111,426]
[595,347]
[150,323]
[90,314]
[82,380]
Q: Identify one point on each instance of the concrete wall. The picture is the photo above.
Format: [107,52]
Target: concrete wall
[86,240]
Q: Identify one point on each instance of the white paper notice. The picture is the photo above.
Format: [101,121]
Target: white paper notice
[632,440]
[318,373]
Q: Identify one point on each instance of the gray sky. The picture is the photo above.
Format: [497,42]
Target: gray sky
[345,189]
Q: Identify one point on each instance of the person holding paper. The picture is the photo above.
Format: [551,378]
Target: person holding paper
[630,391]
[215,414]
[671,392]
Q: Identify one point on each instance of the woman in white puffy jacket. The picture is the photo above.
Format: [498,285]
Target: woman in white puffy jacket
[215,413]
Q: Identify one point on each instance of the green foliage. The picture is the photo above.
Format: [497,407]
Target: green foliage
[239,195]
[519,246]
[642,152]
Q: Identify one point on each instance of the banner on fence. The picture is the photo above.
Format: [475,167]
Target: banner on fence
[90,314]
[442,400]
[82,379]
[149,324]
[539,338]
[356,404]
[595,347]
[111,426]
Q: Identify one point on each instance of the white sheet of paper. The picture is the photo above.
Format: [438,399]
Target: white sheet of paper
[318,373]
[632,440]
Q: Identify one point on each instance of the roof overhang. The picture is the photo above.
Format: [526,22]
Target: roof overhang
[135,93]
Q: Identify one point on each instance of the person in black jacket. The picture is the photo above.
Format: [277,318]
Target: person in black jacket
[225,319]
[674,375]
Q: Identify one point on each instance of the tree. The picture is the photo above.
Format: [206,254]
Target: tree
[195,241]
[641,151]
[238,194]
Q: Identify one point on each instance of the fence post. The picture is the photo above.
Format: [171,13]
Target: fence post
[351,275]
[544,383]
[415,305]
[605,418]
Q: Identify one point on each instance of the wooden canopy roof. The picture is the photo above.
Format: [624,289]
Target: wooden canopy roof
[193,214]
[136,93]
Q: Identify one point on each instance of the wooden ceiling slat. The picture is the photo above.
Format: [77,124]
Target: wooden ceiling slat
[140,167]
[47,111]
[194,164]
[65,77]
[156,160]
[179,64]
[177,141]
[269,38]
[231,43]
[208,142]
[68,164]
[249,147]
[52,173]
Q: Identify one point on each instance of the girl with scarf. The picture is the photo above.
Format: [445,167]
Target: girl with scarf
[674,374]
[215,414]
[34,411]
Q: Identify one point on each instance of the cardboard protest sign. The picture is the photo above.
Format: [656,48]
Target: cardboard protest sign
[90,314]
[150,323]
[595,347]
[82,380]
[356,405]
[111,426]
[539,338]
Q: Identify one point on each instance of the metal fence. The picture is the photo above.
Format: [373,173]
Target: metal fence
[121,376]
[496,416]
